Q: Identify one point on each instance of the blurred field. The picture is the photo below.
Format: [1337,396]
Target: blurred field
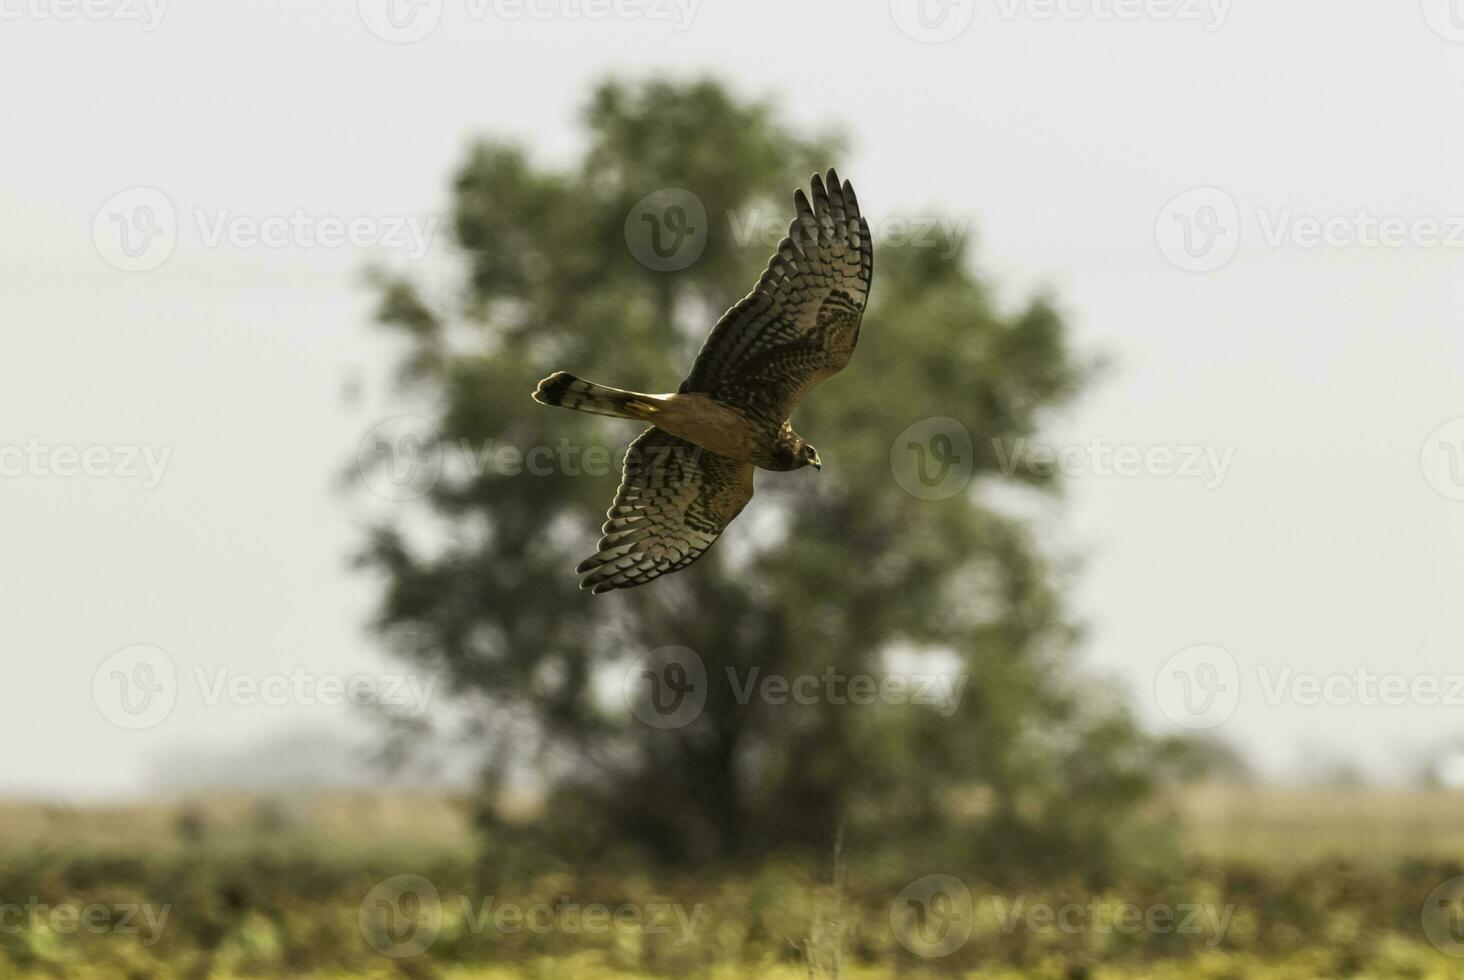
[346,822]
[1322,884]
[1227,824]
[1298,826]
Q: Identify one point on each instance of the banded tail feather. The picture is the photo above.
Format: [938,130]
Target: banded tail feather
[563,390]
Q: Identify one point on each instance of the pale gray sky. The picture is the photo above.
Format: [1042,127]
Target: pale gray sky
[1315,372]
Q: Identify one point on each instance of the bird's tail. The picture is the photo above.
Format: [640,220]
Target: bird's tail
[566,391]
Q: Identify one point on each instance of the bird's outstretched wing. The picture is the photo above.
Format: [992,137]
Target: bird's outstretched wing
[674,500]
[799,325]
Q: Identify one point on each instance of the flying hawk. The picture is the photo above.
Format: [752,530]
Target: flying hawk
[690,473]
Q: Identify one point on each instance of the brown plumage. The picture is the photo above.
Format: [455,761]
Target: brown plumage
[690,474]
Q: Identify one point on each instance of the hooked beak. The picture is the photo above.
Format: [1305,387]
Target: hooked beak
[817,463]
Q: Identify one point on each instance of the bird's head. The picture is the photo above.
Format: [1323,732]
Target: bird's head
[792,453]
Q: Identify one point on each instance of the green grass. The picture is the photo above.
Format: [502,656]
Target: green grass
[1319,884]
[1403,961]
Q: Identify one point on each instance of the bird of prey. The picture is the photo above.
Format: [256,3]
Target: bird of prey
[687,476]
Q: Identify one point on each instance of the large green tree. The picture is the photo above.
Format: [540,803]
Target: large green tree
[842,570]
